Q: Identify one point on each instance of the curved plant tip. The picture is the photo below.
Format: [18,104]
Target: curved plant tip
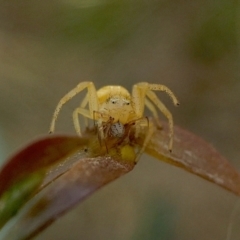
[38,155]
[23,174]
[17,195]
[50,176]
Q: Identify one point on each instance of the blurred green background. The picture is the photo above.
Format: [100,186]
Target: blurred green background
[193,47]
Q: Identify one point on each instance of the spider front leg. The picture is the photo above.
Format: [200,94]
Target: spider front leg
[103,127]
[83,112]
[166,112]
[144,89]
[83,105]
[149,133]
[152,108]
[92,95]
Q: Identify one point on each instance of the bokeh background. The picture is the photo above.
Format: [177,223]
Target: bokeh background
[193,47]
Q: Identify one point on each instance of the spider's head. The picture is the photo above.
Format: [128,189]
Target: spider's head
[116,102]
[114,97]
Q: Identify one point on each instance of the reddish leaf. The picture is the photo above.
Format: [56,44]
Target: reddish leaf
[17,195]
[21,176]
[196,156]
[71,168]
[38,155]
[84,178]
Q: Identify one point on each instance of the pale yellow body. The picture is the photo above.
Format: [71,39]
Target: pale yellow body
[117,104]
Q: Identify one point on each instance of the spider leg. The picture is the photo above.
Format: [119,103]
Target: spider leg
[83,105]
[150,131]
[139,93]
[92,98]
[103,127]
[152,108]
[138,96]
[83,112]
[143,89]
[153,97]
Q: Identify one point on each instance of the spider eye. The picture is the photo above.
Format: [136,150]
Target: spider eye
[113,101]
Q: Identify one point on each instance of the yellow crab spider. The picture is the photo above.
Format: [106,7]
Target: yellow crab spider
[117,103]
